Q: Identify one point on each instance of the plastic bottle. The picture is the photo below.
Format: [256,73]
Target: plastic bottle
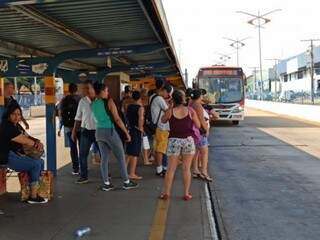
[82,231]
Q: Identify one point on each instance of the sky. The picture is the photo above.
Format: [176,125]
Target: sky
[198,28]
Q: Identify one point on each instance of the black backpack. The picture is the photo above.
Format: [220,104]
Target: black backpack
[149,126]
[69,106]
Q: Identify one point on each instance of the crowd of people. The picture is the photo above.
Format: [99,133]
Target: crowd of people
[165,127]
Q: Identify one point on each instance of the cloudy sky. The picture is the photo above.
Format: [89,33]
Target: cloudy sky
[200,26]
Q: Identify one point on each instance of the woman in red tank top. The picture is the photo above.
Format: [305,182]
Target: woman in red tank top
[181,143]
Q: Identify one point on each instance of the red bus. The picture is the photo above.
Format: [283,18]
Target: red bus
[225,87]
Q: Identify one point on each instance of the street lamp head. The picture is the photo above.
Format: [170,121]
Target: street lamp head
[259,23]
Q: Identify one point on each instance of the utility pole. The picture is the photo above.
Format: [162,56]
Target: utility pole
[259,21]
[311,65]
[276,61]
[237,44]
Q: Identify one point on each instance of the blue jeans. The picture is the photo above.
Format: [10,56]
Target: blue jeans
[95,148]
[28,164]
[74,151]
[87,138]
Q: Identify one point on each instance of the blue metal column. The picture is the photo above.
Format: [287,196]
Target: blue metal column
[50,97]
[1,97]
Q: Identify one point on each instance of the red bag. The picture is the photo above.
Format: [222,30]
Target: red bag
[3,180]
[46,185]
[24,184]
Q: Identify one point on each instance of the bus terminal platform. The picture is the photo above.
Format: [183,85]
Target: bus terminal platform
[135,214]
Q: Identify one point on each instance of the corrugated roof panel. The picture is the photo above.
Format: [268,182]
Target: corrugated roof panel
[107,22]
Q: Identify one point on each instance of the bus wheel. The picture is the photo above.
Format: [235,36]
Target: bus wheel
[235,122]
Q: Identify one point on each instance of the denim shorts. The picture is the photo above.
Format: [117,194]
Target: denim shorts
[177,146]
[203,141]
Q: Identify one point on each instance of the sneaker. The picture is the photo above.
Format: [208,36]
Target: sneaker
[107,187]
[130,185]
[75,173]
[161,174]
[37,200]
[82,180]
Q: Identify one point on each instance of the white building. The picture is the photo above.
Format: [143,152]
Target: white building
[294,73]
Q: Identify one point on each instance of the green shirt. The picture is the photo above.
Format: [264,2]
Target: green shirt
[101,117]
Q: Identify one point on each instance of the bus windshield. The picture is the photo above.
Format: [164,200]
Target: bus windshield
[223,90]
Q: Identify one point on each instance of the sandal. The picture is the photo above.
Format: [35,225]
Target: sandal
[187,197]
[136,177]
[164,196]
[196,175]
[206,177]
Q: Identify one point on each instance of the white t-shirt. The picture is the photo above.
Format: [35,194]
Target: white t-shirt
[158,104]
[85,115]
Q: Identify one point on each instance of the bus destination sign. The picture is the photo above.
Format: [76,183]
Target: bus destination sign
[221,72]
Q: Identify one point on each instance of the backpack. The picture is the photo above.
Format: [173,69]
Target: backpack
[149,126]
[69,106]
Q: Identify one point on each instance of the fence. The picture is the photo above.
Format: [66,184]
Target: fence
[26,101]
[287,97]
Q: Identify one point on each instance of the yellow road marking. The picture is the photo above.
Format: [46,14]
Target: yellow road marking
[159,222]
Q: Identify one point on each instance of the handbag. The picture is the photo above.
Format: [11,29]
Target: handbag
[145,143]
[3,180]
[45,189]
[31,151]
[24,185]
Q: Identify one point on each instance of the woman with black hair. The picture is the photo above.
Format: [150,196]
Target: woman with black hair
[12,141]
[181,120]
[135,118]
[106,116]
[202,146]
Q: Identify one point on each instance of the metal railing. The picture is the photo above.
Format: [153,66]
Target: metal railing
[301,97]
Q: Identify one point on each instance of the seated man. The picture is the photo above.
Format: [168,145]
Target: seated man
[12,139]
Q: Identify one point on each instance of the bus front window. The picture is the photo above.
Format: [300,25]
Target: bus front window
[223,90]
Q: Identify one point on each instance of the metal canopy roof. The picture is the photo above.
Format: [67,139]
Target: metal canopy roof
[46,28]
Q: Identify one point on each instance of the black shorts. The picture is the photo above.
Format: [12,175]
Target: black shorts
[134,147]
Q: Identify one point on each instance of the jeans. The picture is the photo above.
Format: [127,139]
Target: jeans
[87,138]
[109,141]
[95,148]
[74,151]
[28,164]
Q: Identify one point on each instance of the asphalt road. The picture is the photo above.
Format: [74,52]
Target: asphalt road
[267,178]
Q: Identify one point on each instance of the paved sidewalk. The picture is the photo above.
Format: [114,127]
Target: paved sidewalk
[115,215]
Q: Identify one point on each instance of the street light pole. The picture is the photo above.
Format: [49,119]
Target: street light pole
[259,25]
[312,66]
[237,44]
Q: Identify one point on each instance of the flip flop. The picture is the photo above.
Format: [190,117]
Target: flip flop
[164,196]
[196,175]
[136,177]
[206,177]
[187,197]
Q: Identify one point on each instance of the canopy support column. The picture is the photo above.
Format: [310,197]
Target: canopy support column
[50,97]
[1,97]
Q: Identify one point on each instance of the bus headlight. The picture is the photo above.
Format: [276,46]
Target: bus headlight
[238,109]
